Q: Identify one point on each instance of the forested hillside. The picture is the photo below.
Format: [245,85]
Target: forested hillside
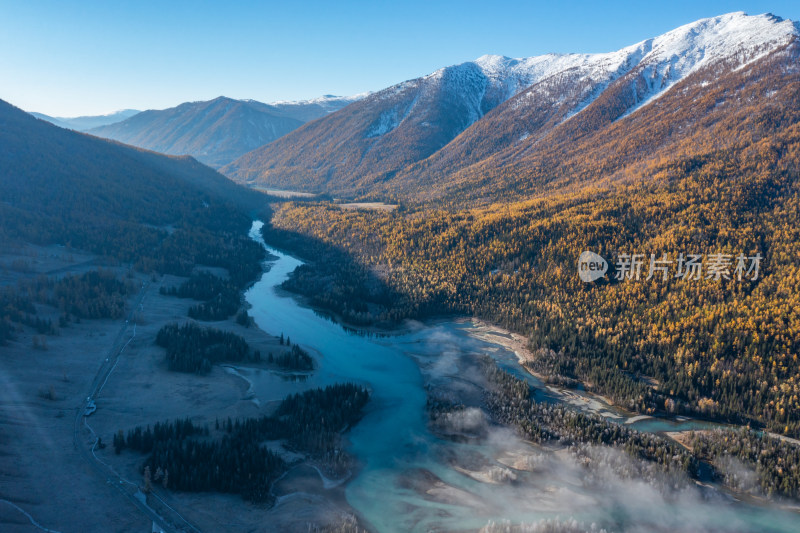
[62,187]
[717,348]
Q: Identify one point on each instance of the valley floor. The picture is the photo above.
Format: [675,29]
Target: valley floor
[50,464]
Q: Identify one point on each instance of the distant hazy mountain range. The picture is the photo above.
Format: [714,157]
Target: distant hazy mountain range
[218,131]
[87,122]
[498,126]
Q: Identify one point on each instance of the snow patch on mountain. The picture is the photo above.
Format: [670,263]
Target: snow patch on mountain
[736,38]
[391,119]
[386,123]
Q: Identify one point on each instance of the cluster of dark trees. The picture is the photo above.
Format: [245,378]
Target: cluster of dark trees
[143,439]
[233,465]
[224,247]
[236,253]
[295,359]
[445,418]
[201,285]
[555,368]
[360,301]
[221,297]
[775,462]
[509,400]
[192,461]
[99,294]
[243,318]
[17,308]
[94,294]
[232,459]
[193,348]
[335,282]
[315,418]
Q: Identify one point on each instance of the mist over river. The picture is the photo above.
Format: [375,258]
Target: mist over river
[410,479]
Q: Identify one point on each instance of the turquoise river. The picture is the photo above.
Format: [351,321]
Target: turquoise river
[411,480]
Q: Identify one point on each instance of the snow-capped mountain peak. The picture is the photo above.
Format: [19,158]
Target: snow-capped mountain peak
[326,100]
[716,38]
[496,109]
[735,38]
[672,56]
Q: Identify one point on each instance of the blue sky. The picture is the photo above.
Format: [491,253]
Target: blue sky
[70,58]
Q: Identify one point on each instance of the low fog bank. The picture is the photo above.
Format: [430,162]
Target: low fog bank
[583,487]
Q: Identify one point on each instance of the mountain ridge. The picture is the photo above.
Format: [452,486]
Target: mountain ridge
[383,146]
